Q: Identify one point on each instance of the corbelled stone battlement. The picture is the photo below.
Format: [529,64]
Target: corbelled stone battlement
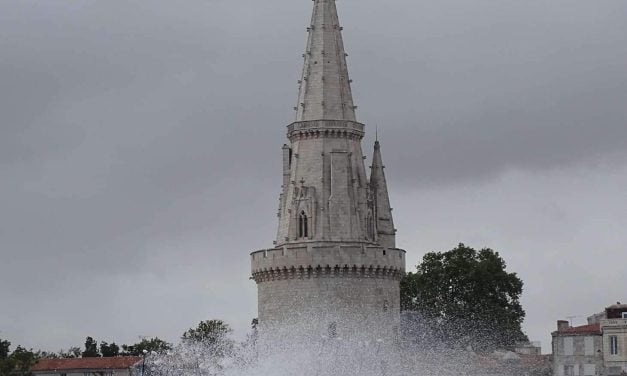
[325,128]
[314,260]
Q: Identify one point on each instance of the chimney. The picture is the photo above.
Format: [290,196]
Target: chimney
[562,325]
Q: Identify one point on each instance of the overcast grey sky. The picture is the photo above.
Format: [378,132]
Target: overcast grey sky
[140,151]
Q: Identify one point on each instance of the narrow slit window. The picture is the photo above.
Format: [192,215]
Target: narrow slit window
[332,330]
[290,158]
[614,345]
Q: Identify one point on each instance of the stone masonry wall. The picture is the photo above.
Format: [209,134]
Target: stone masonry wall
[309,287]
[356,308]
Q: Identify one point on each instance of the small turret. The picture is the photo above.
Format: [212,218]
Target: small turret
[385,234]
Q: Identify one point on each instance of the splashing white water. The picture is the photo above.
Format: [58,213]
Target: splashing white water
[285,355]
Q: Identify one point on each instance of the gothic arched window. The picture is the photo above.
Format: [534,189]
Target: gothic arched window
[302,225]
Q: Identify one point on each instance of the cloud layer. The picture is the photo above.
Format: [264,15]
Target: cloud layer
[140,150]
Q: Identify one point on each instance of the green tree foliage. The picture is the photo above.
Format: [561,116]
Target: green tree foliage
[109,350]
[91,348]
[209,332]
[18,363]
[149,345]
[467,298]
[23,359]
[4,349]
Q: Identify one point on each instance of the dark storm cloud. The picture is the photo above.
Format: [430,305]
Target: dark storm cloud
[482,87]
[140,141]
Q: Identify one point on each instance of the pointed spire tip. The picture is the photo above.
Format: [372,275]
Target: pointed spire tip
[319,82]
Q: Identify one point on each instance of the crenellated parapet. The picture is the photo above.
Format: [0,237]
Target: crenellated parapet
[301,130]
[321,260]
[327,271]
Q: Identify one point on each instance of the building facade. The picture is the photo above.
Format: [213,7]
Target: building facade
[614,329]
[598,348]
[577,350]
[334,268]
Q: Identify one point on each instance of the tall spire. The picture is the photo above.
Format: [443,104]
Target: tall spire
[325,91]
[385,232]
[335,236]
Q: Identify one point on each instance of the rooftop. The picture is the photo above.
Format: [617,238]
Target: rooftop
[119,362]
[588,329]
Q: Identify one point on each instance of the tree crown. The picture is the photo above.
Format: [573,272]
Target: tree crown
[467,296]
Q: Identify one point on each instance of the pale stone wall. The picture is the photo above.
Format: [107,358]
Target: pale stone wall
[590,354]
[616,363]
[328,254]
[360,308]
[304,288]
[327,180]
[580,353]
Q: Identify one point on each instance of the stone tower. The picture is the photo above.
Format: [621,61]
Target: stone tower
[334,269]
